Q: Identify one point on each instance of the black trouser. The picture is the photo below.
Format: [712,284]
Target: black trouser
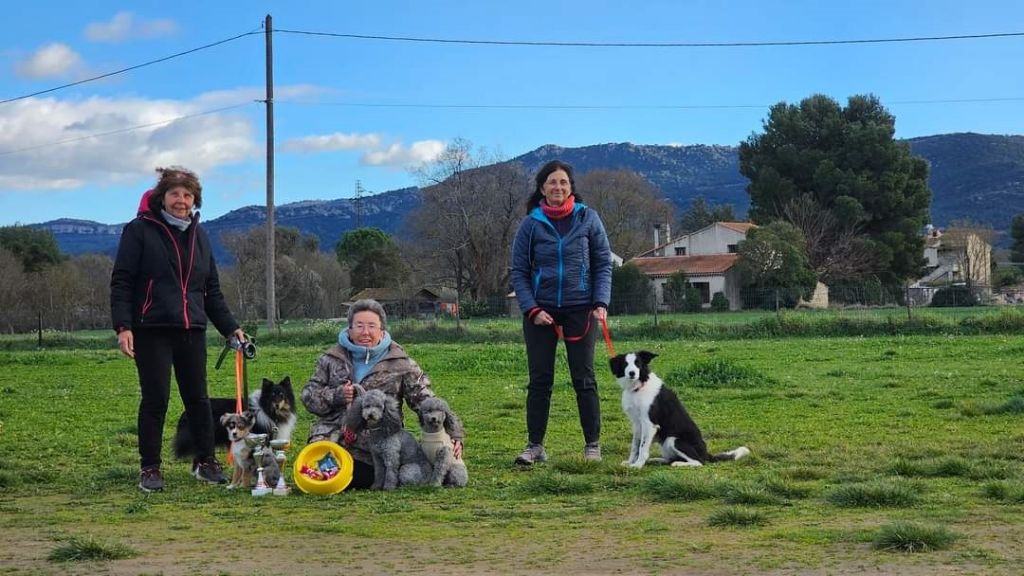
[156,351]
[541,346]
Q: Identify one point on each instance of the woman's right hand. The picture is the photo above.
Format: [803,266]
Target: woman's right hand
[542,318]
[126,343]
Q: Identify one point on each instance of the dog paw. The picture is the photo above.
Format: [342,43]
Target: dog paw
[637,465]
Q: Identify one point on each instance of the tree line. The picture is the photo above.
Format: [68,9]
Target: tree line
[836,199]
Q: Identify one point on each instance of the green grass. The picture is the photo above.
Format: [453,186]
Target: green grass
[83,549]
[843,431]
[912,537]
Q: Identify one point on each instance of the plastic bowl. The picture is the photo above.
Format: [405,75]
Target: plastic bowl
[313,453]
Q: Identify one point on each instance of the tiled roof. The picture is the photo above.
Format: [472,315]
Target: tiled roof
[658,266]
[742,227]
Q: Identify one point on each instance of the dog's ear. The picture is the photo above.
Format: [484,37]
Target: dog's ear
[452,424]
[617,364]
[286,383]
[392,421]
[353,419]
[249,417]
[646,356]
[224,418]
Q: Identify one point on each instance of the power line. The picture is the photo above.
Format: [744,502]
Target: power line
[123,130]
[130,68]
[652,44]
[618,106]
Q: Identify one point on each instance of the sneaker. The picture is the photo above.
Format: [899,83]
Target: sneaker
[532,454]
[592,452]
[150,479]
[208,470]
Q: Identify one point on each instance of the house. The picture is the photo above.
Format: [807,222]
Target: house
[958,256]
[707,256]
[425,301]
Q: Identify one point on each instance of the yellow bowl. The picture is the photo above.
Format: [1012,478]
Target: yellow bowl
[313,453]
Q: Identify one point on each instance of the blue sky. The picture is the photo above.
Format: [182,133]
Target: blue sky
[373,110]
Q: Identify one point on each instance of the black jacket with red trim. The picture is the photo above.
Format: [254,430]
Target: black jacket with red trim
[163,277]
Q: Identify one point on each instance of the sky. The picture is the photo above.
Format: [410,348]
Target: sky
[359,101]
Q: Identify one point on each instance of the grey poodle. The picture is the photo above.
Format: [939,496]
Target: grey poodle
[438,423]
[398,459]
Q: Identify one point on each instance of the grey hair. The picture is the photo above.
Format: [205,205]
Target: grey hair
[368,304]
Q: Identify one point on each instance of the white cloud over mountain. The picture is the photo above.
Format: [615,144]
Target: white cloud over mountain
[48,143]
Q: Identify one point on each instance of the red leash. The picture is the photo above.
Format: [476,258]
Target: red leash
[604,330]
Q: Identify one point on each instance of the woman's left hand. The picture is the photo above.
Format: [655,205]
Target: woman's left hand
[601,313]
[457,448]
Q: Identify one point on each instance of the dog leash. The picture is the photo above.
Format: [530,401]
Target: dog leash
[604,329]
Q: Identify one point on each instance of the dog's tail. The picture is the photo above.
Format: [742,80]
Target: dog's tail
[735,454]
[183,445]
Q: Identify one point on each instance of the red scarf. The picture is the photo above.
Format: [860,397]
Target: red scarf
[559,212]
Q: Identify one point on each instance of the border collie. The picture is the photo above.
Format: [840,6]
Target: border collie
[273,411]
[658,416]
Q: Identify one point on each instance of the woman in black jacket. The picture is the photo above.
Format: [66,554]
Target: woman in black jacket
[163,289]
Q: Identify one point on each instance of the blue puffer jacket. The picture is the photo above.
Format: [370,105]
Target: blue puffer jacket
[554,271]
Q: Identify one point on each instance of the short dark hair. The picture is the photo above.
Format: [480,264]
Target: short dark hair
[542,177]
[171,177]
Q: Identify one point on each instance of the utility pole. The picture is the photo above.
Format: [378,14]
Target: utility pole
[271,297]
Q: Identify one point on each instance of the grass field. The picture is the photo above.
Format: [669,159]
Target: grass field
[882,455]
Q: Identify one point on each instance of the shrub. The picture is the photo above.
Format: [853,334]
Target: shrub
[719,303]
[954,296]
[85,549]
[874,494]
[736,516]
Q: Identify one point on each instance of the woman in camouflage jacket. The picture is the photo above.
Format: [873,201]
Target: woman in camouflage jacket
[364,355]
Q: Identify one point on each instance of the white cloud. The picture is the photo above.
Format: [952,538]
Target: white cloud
[397,155]
[332,142]
[126,26]
[54,59]
[30,159]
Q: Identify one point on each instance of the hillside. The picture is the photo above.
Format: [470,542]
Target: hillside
[974,177]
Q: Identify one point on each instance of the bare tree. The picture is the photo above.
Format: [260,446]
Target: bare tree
[472,204]
[12,279]
[629,207]
[836,250]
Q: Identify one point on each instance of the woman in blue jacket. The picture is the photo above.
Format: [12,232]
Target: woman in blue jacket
[163,288]
[562,277]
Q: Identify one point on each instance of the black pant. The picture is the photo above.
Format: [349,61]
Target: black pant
[156,351]
[541,346]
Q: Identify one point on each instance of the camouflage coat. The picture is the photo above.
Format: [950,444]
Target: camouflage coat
[396,374]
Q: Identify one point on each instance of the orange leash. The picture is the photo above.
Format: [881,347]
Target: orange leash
[607,338]
[239,376]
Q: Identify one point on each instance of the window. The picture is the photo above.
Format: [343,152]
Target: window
[680,250]
[732,248]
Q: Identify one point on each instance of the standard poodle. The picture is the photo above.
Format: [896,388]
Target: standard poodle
[438,423]
[398,459]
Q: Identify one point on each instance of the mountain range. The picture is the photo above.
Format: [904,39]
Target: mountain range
[976,177]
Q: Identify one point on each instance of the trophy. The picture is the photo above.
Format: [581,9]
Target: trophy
[258,443]
[279,446]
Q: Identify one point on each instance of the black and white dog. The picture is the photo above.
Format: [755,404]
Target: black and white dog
[657,415]
[273,411]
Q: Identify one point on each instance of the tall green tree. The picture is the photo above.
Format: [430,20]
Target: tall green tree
[1017,232]
[847,160]
[355,244]
[773,256]
[36,249]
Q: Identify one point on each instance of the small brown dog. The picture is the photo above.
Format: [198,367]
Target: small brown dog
[238,427]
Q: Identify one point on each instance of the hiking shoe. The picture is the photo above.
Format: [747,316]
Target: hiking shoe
[532,454]
[208,470]
[150,479]
[592,452]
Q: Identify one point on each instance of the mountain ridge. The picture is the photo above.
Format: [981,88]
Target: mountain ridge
[977,177]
